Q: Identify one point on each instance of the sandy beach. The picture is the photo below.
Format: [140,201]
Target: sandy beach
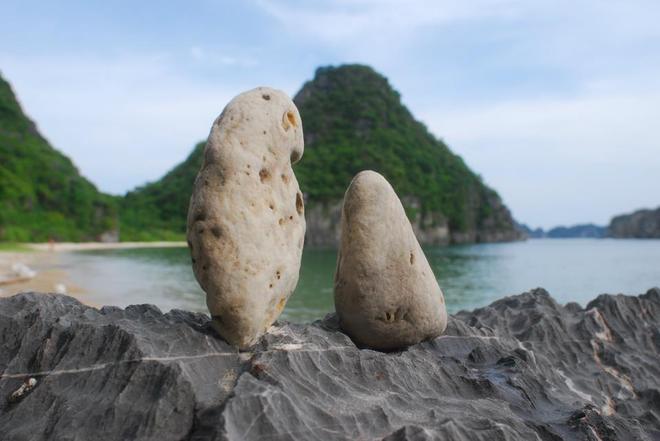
[52,275]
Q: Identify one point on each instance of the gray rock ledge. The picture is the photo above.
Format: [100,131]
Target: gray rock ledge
[523,368]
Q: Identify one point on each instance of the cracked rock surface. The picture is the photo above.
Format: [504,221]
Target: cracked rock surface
[523,368]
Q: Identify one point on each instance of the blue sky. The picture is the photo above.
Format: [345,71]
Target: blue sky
[555,103]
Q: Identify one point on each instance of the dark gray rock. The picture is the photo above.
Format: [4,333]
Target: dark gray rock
[523,368]
[642,224]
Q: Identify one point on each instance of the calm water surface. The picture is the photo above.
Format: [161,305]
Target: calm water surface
[470,276]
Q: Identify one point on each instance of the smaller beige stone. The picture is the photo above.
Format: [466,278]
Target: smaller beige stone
[386,295]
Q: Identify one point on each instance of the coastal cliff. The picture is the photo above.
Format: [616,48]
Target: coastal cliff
[522,368]
[642,224]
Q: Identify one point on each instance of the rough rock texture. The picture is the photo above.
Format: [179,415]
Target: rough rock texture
[386,295]
[642,224]
[523,368]
[246,221]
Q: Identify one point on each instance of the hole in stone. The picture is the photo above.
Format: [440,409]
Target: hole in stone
[270,286]
[295,156]
[281,221]
[264,174]
[200,216]
[216,231]
[203,267]
[278,274]
[264,132]
[272,207]
[285,179]
[299,203]
[248,166]
[288,120]
[200,231]
[266,97]
[290,217]
[292,118]
[412,258]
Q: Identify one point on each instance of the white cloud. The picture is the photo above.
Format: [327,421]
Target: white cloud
[375,29]
[211,58]
[341,20]
[197,53]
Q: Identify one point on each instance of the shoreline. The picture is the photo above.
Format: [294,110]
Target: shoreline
[52,274]
[84,246]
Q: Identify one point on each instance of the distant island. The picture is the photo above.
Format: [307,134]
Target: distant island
[642,224]
[353,120]
[561,232]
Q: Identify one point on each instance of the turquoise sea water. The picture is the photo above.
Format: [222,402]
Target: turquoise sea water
[470,275]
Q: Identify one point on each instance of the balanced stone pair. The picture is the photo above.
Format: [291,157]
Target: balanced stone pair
[246,228]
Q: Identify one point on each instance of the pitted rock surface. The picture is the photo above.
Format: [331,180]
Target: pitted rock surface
[246,220]
[522,368]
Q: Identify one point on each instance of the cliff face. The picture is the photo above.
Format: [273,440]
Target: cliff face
[353,121]
[642,224]
[523,368]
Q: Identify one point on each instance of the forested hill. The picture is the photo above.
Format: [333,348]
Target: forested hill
[42,194]
[157,211]
[353,120]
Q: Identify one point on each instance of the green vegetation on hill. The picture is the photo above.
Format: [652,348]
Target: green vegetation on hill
[354,120]
[157,211]
[42,194]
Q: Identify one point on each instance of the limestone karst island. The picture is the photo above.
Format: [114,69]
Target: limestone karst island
[329,221]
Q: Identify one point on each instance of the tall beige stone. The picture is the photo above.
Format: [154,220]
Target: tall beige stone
[386,295]
[246,223]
